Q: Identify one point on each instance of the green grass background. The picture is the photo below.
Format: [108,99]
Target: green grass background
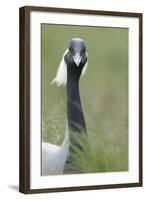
[104,94]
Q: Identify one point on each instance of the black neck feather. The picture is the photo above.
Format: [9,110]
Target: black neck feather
[76,121]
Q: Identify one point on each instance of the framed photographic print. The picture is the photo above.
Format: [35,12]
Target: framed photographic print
[80,99]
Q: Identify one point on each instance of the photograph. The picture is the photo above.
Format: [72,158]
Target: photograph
[84,99]
[80,99]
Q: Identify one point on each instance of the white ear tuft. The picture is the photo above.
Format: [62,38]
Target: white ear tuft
[61,75]
[85,67]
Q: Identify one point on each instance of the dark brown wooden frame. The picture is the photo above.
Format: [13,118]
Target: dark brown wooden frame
[24,77]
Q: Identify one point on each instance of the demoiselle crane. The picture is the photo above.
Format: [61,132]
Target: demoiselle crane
[72,66]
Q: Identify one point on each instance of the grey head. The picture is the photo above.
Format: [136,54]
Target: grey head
[77,49]
[74,61]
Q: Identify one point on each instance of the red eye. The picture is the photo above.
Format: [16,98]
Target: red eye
[71,49]
[83,50]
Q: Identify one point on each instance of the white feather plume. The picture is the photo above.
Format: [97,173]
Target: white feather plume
[61,75]
[85,67]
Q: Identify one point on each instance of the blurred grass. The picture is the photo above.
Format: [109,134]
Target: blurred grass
[104,94]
